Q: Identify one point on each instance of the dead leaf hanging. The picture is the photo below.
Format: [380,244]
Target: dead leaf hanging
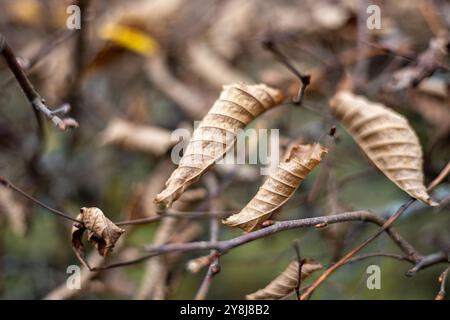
[299,160]
[101,231]
[236,107]
[386,138]
[286,283]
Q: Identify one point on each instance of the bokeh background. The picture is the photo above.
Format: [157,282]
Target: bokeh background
[137,70]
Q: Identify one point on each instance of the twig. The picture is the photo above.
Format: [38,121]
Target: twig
[214,267]
[11,186]
[300,265]
[442,279]
[32,95]
[379,254]
[43,52]
[427,261]
[383,228]
[305,79]
[177,214]
[226,245]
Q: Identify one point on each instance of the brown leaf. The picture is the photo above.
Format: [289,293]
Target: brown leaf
[386,138]
[286,283]
[128,135]
[101,232]
[279,187]
[237,106]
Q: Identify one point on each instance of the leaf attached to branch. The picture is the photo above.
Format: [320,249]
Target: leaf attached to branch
[101,232]
[299,160]
[236,107]
[286,283]
[386,138]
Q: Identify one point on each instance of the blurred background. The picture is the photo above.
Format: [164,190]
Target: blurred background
[137,70]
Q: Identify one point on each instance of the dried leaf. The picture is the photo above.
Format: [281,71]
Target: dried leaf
[285,284]
[386,138]
[211,66]
[101,231]
[237,106]
[153,140]
[279,187]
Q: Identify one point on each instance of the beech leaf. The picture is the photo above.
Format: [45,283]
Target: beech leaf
[298,162]
[387,139]
[286,283]
[101,232]
[236,107]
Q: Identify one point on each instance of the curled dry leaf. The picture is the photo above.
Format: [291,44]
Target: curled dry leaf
[286,283]
[153,140]
[101,231]
[299,160]
[386,138]
[236,107]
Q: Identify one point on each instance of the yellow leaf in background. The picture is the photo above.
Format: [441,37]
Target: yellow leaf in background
[29,12]
[130,38]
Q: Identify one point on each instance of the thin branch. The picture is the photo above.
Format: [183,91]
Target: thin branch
[226,245]
[300,265]
[172,214]
[442,279]
[379,254]
[427,261]
[32,95]
[11,186]
[383,228]
[177,215]
[214,267]
[44,51]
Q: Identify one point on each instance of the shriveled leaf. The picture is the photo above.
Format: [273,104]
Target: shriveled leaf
[286,283]
[386,138]
[237,106]
[101,231]
[153,140]
[279,186]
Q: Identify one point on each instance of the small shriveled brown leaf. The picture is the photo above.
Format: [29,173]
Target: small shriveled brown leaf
[236,107]
[286,283]
[279,186]
[101,232]
[387,139]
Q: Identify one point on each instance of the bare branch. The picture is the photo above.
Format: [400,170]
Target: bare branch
[32,95]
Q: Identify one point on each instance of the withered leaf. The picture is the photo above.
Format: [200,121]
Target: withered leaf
[151,139]
[386,138]
[236,107]
[299,160]
[101,232]
[286,283]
